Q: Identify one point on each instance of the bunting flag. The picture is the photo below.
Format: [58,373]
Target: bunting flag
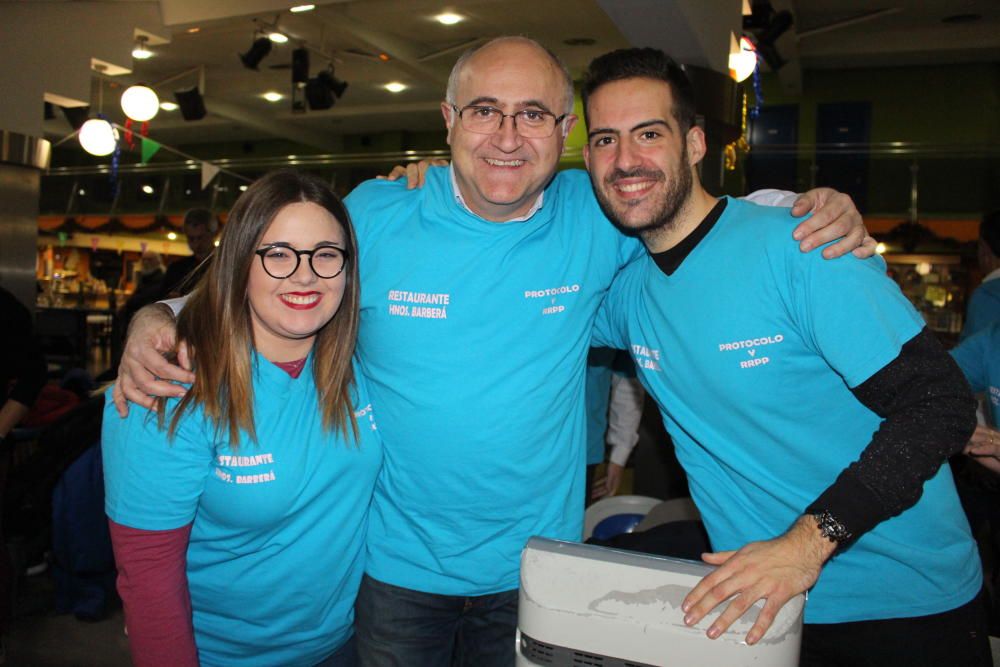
[149,148]
[208,172]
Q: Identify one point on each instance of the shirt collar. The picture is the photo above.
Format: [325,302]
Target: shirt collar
[992,275]
[461,200]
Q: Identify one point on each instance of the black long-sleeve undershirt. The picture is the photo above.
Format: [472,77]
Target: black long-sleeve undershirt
[929,414]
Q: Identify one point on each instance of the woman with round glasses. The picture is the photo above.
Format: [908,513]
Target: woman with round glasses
[238,512]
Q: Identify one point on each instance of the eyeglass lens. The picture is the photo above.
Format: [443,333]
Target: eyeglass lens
[530,123]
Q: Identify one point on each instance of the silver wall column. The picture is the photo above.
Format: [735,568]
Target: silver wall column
[22,159]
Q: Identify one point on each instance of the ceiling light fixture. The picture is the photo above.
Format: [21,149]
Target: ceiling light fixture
[169,106]
[395,87]
[172,236]
[258,51]
[192,31]
[140,103]
[272,96]
[743,61]
[277,37]
[301,8]
[147,189]
[191,103]
[449,18]
[98,137]
[323,90]
[141,50]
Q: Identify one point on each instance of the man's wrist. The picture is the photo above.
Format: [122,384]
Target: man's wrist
[817,545]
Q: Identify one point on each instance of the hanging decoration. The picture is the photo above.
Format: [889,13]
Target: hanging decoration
[758,95]
[741,145]
[208,172]
[140,104]
[148,149]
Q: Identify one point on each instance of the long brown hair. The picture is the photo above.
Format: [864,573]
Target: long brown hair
[216,322]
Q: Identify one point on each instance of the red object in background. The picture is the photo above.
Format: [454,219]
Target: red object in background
[51,404]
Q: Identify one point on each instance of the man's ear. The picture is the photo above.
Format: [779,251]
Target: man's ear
[448,111]
[568,123]
[696,147]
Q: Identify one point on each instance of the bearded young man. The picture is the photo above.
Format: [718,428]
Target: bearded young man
[807,401]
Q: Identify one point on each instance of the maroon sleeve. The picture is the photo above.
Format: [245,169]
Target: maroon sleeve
[152,582]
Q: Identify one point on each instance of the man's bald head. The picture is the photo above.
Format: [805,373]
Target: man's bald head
[484,49]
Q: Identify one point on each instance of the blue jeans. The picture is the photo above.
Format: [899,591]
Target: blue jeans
[399,627]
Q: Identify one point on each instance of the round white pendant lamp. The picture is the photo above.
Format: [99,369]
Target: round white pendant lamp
[98,137]
[140,103]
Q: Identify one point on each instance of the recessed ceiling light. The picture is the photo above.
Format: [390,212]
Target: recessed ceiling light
[82,192]
[302,8]
[172,236]
[277,37]
[243,188]
[449,18]
[193,30]
[395,87]
[168,106]
[272,96]
[148,189]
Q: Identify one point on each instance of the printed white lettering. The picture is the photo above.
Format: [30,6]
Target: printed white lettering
[751,342]
[755,362]
[553,291]
[429,298]
[255,479]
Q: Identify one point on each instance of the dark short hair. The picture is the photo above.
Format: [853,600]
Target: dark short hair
[201,217]
[989,231]
[642,63]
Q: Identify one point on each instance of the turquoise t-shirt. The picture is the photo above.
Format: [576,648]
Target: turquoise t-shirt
[984,308]
[474,339]
[277,546]
[750,349]
[979,358]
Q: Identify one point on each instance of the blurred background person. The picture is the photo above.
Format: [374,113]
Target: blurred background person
[614,409]
[984,304]
[22,376]
[200,227]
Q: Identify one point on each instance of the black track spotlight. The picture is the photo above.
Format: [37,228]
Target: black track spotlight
[338,86]
[258,51]
[191,103]
[319,95]
[324,89]
[300,66]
